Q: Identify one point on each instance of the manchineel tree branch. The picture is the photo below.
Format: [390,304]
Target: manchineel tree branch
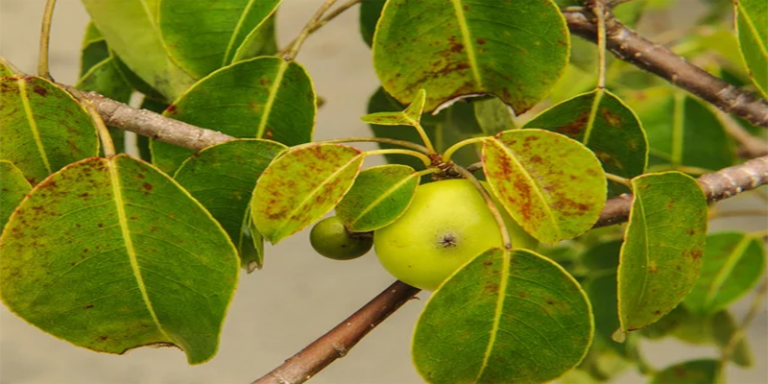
[627,45]
[335,344]
[339,340]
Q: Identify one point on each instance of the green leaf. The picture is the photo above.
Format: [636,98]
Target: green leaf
[751,19]
[260,42]
[723,329]
[410,116]
[131,29]
[465,48]
[704,371]
[6,70]
[682,131]
[503,318]
[222,178]
[94,49]
[664,243]
[263,98]
[602,257]
[203,36]
[493,116]
[733,263]
[370,11]
[667,324]
[121,257]
[603,123]
[378,197]
[551,185]
[448,127]
[43,127]
[302,185]
[13,188]
[602,294]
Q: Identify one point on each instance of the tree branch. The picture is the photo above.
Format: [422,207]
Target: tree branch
[338,341]
[634,49]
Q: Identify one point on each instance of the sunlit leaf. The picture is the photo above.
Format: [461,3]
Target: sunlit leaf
[681,130]
[553,186]
[704,371]
[661,255]
[263,98]
[751,19]
[602,122]
[515,50]
[493,116]
[301,186]
[505,317]
[378,197]
[131,28]
[733,263]
[13,188]
[222,178]
[203,36]
[120,256]
[43,128]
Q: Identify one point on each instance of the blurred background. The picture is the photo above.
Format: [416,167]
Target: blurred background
[299,295]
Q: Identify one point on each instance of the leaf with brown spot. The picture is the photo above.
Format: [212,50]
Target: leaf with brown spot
[248,99]
[659,263]
[302,185]
[222,178]
[553,186]
[157,258]
[526,321]
[378,197]
[515,50]
[607,126]
[42,127]
[410,116]
[13,188]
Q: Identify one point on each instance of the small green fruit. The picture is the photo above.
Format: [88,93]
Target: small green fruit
[330,239]
[447,224]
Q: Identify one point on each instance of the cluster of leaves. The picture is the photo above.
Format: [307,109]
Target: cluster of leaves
[113,252]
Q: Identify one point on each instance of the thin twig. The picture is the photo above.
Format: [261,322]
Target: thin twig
[717,214]
[381,140]
[45,37]
[749,146]
[339,340]
[293,49]
[328,17]
[632,48]
[598,8]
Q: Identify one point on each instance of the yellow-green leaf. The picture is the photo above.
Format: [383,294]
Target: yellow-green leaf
[13,188]
[751,19]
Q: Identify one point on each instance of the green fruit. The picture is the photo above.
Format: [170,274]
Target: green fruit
[447,224]
[330,239]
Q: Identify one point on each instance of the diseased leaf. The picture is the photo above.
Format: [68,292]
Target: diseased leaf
[378,197]
[43,127]
[6,70]
[515,50]
[733,263]
[493,116]
[551,185]
[120,257]
[410,116]
[448,127]
[131,28]
[505,317]
[682,131]
[302,185]
[222,178]
[13,188]
[704,371]
[603,123]
[664,243]
[262,98]
[667,324]
[203,36]
[751,19]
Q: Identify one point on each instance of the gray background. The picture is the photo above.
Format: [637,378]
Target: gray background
[299,295]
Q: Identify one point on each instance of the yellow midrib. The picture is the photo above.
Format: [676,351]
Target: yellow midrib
[506,259]
[271,99]
[381,198]
[119,203]
[236,32]
[725,270]
[465,36]
[24,96]
[592,115]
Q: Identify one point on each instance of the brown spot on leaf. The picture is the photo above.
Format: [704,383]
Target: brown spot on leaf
[89,306]
[40,90]
[481,41]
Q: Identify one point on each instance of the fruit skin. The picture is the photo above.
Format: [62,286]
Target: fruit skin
[330,239]
[446,225]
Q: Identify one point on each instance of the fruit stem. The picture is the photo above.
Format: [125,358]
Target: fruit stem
[427,161]
[402,143]
[505,239]
[424,137]
[45,37]
[449,152]
[428,171]
[618,179]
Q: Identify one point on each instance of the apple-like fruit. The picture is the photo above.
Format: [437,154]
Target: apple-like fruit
[447,224]
[331,239]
